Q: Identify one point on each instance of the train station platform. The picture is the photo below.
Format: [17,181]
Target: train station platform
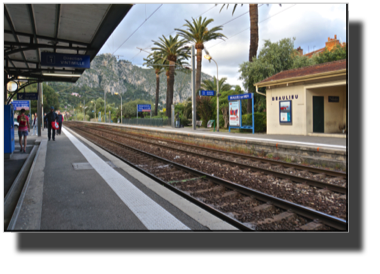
[74,185]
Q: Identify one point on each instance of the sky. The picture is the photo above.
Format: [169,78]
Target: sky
[310,24]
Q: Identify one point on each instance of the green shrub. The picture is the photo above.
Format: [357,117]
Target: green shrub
[184,120]
[260,121]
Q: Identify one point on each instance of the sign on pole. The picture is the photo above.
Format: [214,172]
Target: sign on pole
[235,112]
[52,59]
[27,96]
[207,92]
[18,105]
[240,96]
[143,108]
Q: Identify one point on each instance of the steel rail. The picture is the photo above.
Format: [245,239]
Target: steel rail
[254,158]
[277,174]
[309,213]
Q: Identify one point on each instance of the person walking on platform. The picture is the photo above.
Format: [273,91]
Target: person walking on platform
[34,124]
[59,120]
[45,121]
[51,117]
[23,128]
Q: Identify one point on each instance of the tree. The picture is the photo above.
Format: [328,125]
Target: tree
[211,85]
[254,38]
[336,53]
[171,49]
[198,33]
[273,58]
[155,61]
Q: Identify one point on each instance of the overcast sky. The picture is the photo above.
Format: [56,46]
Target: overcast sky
[310,24]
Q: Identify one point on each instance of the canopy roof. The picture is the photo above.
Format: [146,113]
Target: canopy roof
[30,29]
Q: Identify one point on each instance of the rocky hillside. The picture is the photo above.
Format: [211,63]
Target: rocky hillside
[112,75]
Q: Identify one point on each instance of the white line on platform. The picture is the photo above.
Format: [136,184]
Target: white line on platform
[249,138]
[152,215]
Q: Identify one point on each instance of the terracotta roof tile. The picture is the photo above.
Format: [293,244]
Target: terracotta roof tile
[319,68]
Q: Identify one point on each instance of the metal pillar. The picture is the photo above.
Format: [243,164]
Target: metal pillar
[194,107]
[39,108]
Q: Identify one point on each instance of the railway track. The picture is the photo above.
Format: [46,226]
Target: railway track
[256,164]
[291,188]
[245,208]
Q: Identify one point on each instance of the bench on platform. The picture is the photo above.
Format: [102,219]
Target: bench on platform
[197,123]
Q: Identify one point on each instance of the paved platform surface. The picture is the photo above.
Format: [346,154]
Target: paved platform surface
[334,141]
[77,186]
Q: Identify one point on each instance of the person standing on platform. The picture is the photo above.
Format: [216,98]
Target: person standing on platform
[34,124]
[59,120]
[51,117]
[45,121]
[23,128]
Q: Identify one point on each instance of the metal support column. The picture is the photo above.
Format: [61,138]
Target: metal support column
[194,107]
[39,108]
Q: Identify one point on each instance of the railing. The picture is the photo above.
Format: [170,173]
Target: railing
[157,122]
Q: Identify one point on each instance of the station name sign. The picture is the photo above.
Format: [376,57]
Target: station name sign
[52,59]
[207,92]
[240,96]
[286,97]
[27,96]
[143,108]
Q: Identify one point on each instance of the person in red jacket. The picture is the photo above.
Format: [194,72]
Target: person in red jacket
[23,129]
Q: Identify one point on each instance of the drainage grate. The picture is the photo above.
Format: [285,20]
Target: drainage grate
[81,166]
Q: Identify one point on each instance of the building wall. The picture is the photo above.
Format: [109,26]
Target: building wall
[302,111]
[334,113]
[298,125]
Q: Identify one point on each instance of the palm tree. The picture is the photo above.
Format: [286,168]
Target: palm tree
[155,61]
[198,33]
[171,50]
[254,43]
[211,85]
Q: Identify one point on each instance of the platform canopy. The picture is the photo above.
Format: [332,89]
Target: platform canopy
[30,29]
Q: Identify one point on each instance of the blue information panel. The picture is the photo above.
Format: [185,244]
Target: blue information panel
[143,108]
[65,60]
[207,92]
[240,96]
[18,105]
[27,96]
[285,112]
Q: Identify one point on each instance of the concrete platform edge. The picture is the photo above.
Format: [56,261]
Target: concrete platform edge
[27,215]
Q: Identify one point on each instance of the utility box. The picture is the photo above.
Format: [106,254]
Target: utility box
[9,134]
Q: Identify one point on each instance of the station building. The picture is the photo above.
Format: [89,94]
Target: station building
[307,101]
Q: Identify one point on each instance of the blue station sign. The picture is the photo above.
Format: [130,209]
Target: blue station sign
[52,59]
[18,105]
[27,96]
[240,96]
[207,92]
[143,108]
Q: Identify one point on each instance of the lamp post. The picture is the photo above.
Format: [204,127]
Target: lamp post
[209,58]
[105,106]
[84,109]
[95,107]
[121,108]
